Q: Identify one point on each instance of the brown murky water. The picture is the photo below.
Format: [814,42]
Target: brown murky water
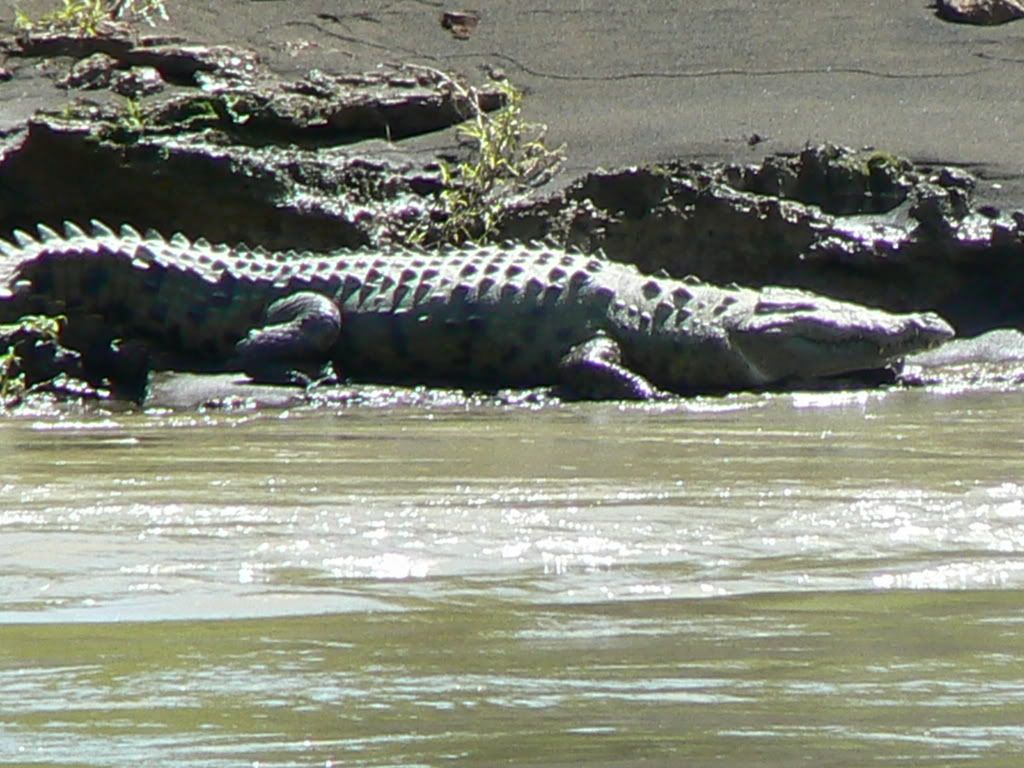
[809,579]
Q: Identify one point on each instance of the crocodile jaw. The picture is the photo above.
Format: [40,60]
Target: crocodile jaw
[808,340]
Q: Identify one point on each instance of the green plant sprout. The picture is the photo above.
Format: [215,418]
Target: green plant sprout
[91,17]
[507,155]
[13,386]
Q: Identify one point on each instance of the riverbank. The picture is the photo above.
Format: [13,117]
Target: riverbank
[276,142]
[730,81]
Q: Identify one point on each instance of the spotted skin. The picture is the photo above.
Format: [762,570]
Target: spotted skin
[508,316]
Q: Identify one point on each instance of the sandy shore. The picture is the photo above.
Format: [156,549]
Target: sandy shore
[647,82]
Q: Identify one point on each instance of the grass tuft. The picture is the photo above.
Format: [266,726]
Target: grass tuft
[505,156]
[92,17]
[13,386]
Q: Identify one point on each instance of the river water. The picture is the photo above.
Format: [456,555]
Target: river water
[820,579]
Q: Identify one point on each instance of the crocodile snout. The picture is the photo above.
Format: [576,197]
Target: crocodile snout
[926,331]
[805,339]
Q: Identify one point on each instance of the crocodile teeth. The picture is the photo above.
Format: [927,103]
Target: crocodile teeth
[46,234]
[99,229]
[72,230]
[153,236]
[128,232]
[178,240]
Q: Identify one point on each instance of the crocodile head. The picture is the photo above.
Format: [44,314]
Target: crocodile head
[790,335]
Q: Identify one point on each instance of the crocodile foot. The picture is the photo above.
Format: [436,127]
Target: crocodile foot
[293,345]
[593,370]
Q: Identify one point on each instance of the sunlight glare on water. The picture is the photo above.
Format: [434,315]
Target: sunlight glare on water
[769,577]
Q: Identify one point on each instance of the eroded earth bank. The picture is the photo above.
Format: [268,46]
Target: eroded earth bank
[164,135]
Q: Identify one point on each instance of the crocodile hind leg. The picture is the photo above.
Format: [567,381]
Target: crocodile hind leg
[593,370]
[293,345]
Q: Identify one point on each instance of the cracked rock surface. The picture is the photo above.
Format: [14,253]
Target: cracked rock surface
[223,140]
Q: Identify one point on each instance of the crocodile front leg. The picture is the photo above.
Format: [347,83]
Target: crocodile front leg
[293,345]
[593,370]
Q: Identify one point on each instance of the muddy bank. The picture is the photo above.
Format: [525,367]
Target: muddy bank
[217,146]
[207,141]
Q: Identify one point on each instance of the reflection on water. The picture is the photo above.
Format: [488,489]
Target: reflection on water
[833,579]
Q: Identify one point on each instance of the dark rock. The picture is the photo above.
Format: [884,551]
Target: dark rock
[176,163]
[832,178]
[956,178]
[993,359]
[387,104]
[185,64]
[936,209]
[92,72]
[123,367]
[103,370]
[38,356]
[461,24]
[911,240]
[984,12]
[137,82]
[40,44]
[186,183]
[174,61]
[103,71]
[1003,345]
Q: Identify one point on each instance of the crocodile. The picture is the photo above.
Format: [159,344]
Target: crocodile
[514,315]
